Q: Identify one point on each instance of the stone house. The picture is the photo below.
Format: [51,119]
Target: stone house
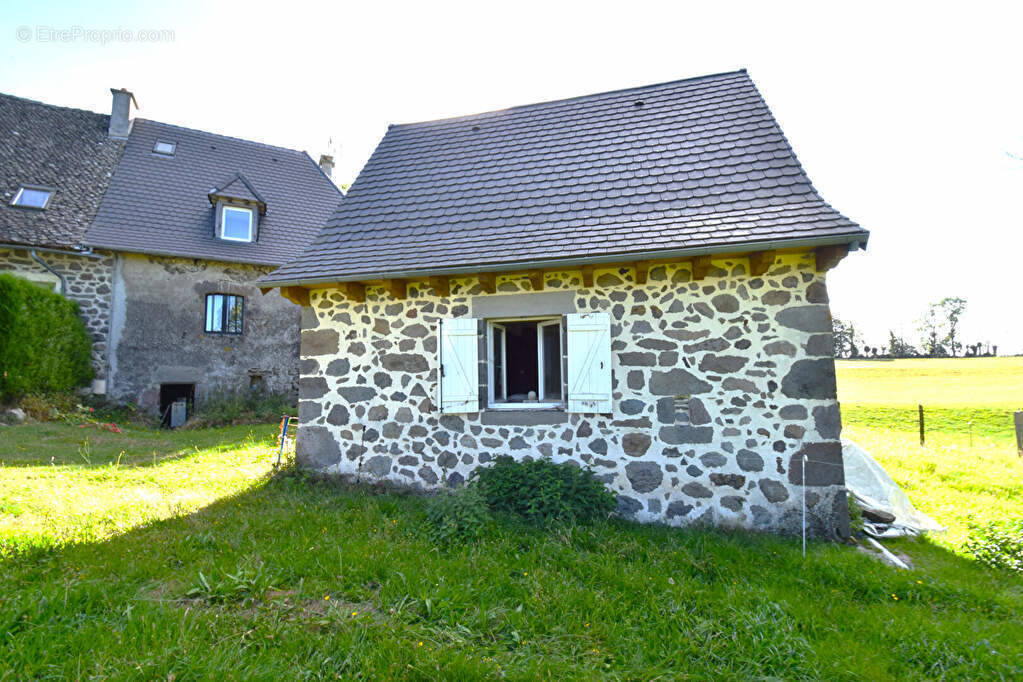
[633,281]
[160,233]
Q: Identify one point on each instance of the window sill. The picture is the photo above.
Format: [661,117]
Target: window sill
[536,405]
[540,415]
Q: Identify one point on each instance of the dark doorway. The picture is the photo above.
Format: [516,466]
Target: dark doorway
[169,394]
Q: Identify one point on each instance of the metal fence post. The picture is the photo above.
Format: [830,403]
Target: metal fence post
[921,425]
[1018,419]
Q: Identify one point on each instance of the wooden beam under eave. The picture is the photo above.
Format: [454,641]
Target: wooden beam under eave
[701,267]
[356,291]
[488,281]
[398,288]
[297,295]
[760,262]
[828,257]
[642,271]
[441,286]
[535,279]
[587,276]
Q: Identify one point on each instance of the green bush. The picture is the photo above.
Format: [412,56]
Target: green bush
[541,491]
[999,545]
[456,517]
[43,344]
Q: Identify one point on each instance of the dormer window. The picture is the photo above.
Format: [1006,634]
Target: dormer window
[237,207]
[236,223]
[164,148]
[32,197]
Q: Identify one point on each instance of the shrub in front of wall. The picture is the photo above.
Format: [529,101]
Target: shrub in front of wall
[44,346]
[541,491]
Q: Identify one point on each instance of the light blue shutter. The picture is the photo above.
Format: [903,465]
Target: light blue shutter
[589,362]
[459,368]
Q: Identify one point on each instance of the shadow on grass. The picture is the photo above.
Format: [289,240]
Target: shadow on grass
[55,443]
[231,589]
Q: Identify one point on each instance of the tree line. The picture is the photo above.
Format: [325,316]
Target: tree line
[938,337]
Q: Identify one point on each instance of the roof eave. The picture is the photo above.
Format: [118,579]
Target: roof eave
[856,240]
[169,254]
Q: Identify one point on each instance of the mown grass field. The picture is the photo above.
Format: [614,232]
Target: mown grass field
[151,555]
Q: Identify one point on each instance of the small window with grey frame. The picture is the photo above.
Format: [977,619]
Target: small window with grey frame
[225,314]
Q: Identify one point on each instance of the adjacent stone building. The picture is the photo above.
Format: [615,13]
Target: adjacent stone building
[55,166]
[160,233]
[632,281]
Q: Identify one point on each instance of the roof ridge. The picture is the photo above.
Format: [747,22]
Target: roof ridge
[573,98]
[53,106]
[221,135]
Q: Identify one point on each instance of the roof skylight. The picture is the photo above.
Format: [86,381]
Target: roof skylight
[164,148]
[32,197]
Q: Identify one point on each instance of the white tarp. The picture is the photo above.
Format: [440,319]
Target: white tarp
[872,487]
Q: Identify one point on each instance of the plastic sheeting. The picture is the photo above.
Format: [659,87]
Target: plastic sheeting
[872,488]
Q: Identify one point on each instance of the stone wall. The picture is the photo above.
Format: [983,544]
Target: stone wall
[158,330]
[88,283]
[754,354]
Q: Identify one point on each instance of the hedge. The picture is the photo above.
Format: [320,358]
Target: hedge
[43,344]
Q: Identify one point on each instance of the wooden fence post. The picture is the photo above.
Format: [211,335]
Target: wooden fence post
[921,425]
[1018,419]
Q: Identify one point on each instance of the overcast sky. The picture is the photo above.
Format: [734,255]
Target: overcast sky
[905,115]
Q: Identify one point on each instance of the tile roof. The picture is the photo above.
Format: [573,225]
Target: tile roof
[237,187]
[697,164]
[49,146]
[159,204]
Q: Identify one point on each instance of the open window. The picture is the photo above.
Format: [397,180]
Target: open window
[524,363]
[517,363]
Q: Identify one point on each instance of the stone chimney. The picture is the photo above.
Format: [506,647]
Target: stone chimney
[120,113]
[327,165]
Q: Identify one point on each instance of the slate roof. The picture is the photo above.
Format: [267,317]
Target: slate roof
[160,205]
[49,146]
[695,165]
[237,187]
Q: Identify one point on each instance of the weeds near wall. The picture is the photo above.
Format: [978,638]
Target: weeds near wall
[456,517]
[240,406]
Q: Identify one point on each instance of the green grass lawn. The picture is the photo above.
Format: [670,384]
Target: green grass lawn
[156,555]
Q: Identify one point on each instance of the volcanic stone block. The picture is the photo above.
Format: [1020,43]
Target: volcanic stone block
[316,448]
[676,382]
[644,476]
[806,318]
[828,420]
[635,444]
[773,490]
[814,379]
[823,466]
[677,435]
[320,342]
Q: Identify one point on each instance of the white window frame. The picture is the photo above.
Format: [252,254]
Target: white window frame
[541,403]
[32,188]
[223,223]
